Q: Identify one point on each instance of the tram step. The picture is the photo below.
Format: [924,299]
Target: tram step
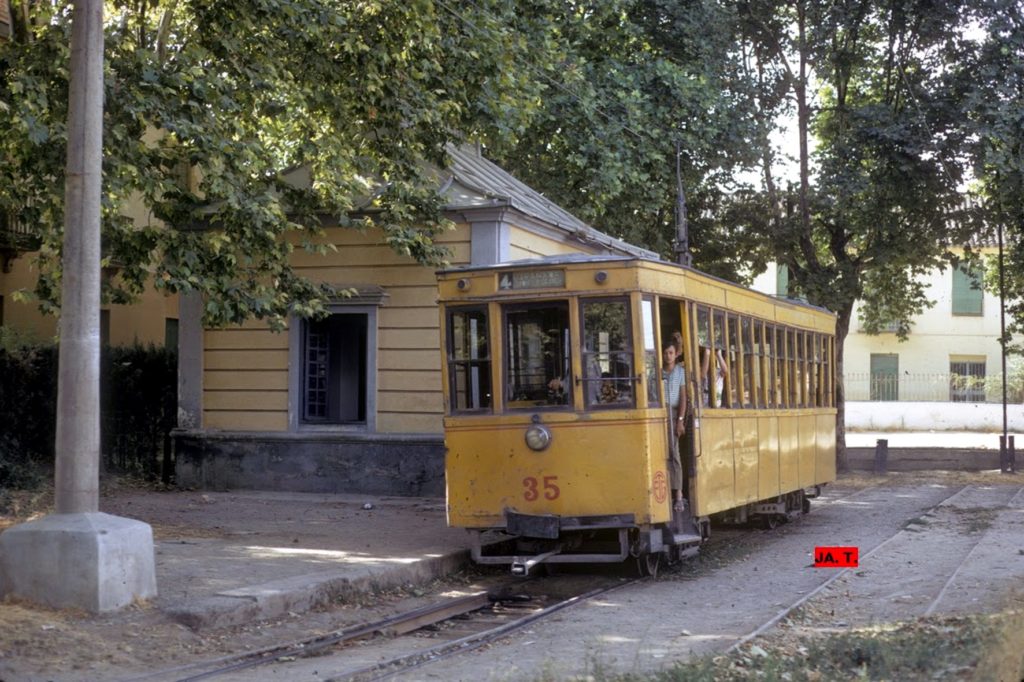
[685,538]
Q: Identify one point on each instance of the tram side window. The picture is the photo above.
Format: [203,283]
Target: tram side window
[607,353]
[537,370]
[784,380]
[767,368]
[469,360]
[703,362]
[816,370]
[651,364]
[805,347]
[750,364]
[719,367]
[830,389]
[734,357]
[793,397]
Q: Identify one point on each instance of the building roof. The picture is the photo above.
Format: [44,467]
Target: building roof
[471,181]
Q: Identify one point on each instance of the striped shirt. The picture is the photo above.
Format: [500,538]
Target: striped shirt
[673,381]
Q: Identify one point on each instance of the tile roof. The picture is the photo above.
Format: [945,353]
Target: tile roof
[474,182]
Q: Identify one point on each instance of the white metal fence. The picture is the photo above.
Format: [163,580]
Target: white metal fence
[938,387]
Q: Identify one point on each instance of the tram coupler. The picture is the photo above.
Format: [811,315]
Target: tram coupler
[521,565]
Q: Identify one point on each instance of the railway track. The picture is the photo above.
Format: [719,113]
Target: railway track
[456,625]
[956,555]
[390,646]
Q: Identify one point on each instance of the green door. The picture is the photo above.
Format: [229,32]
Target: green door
[885,375]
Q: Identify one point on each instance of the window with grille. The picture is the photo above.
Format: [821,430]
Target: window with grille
[334,369]
[967,381]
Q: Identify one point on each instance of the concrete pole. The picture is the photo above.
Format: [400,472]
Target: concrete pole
[78,379]
[80,557]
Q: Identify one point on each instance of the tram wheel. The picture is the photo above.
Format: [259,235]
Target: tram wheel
[647,564]
[805,505]
[770,521]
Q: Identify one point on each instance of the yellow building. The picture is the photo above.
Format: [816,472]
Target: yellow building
[5,20]
[354,402]
[152,319]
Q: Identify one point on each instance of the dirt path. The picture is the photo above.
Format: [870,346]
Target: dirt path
[930,544]
[740,585]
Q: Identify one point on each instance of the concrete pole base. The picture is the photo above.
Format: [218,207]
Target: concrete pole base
[92,561]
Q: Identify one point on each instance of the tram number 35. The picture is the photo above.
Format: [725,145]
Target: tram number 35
[535,488]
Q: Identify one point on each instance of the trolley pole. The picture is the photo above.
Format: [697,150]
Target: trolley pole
[683,255]
[1006,464]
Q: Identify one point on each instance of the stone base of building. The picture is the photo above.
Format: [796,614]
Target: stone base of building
[372,464]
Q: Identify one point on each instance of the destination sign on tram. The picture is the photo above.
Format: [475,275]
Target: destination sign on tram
[532,279]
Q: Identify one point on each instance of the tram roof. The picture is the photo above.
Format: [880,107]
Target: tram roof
[577,258]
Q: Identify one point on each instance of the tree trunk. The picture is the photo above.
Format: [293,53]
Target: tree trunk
[842,328]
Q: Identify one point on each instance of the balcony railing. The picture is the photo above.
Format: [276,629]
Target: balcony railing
[925,387]
[884,328]
[16,237]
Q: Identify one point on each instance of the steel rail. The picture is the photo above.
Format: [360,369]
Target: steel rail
[823,586]
[402,664]
[952,577]
[397,624]
[392,625]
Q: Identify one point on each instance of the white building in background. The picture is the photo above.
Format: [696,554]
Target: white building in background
[945,376]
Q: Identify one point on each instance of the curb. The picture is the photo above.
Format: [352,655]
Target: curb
[305,592]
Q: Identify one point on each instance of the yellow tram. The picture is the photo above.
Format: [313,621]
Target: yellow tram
[555,424]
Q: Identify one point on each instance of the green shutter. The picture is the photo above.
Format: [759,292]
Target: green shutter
[967,292]
[885,376]
[782,281]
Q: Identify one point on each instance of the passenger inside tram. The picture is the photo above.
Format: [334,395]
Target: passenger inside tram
[674,379]
[721,373]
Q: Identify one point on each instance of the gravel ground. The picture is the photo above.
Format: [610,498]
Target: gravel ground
[931,545]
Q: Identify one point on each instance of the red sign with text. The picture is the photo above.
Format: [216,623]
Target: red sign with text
[836,557]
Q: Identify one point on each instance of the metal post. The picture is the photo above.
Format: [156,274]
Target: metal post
[1011,456]
[881,456]
[1004,465]
[1002,343]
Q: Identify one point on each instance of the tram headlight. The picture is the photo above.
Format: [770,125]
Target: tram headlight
[538,437]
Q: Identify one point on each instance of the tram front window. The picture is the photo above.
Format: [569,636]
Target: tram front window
[537,356]
[469,362]
[607,353]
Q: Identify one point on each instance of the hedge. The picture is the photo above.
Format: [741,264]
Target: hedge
[138,389]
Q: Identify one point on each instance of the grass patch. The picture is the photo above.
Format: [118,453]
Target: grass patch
[915,525]
[974,519]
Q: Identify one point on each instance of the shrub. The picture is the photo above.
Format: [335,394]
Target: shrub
[138,408]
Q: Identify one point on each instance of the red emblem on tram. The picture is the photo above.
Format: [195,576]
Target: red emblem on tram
[660,487]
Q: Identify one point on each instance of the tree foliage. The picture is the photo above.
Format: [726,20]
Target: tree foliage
[876,201]
[995,107]
[631,79]
[208,103]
